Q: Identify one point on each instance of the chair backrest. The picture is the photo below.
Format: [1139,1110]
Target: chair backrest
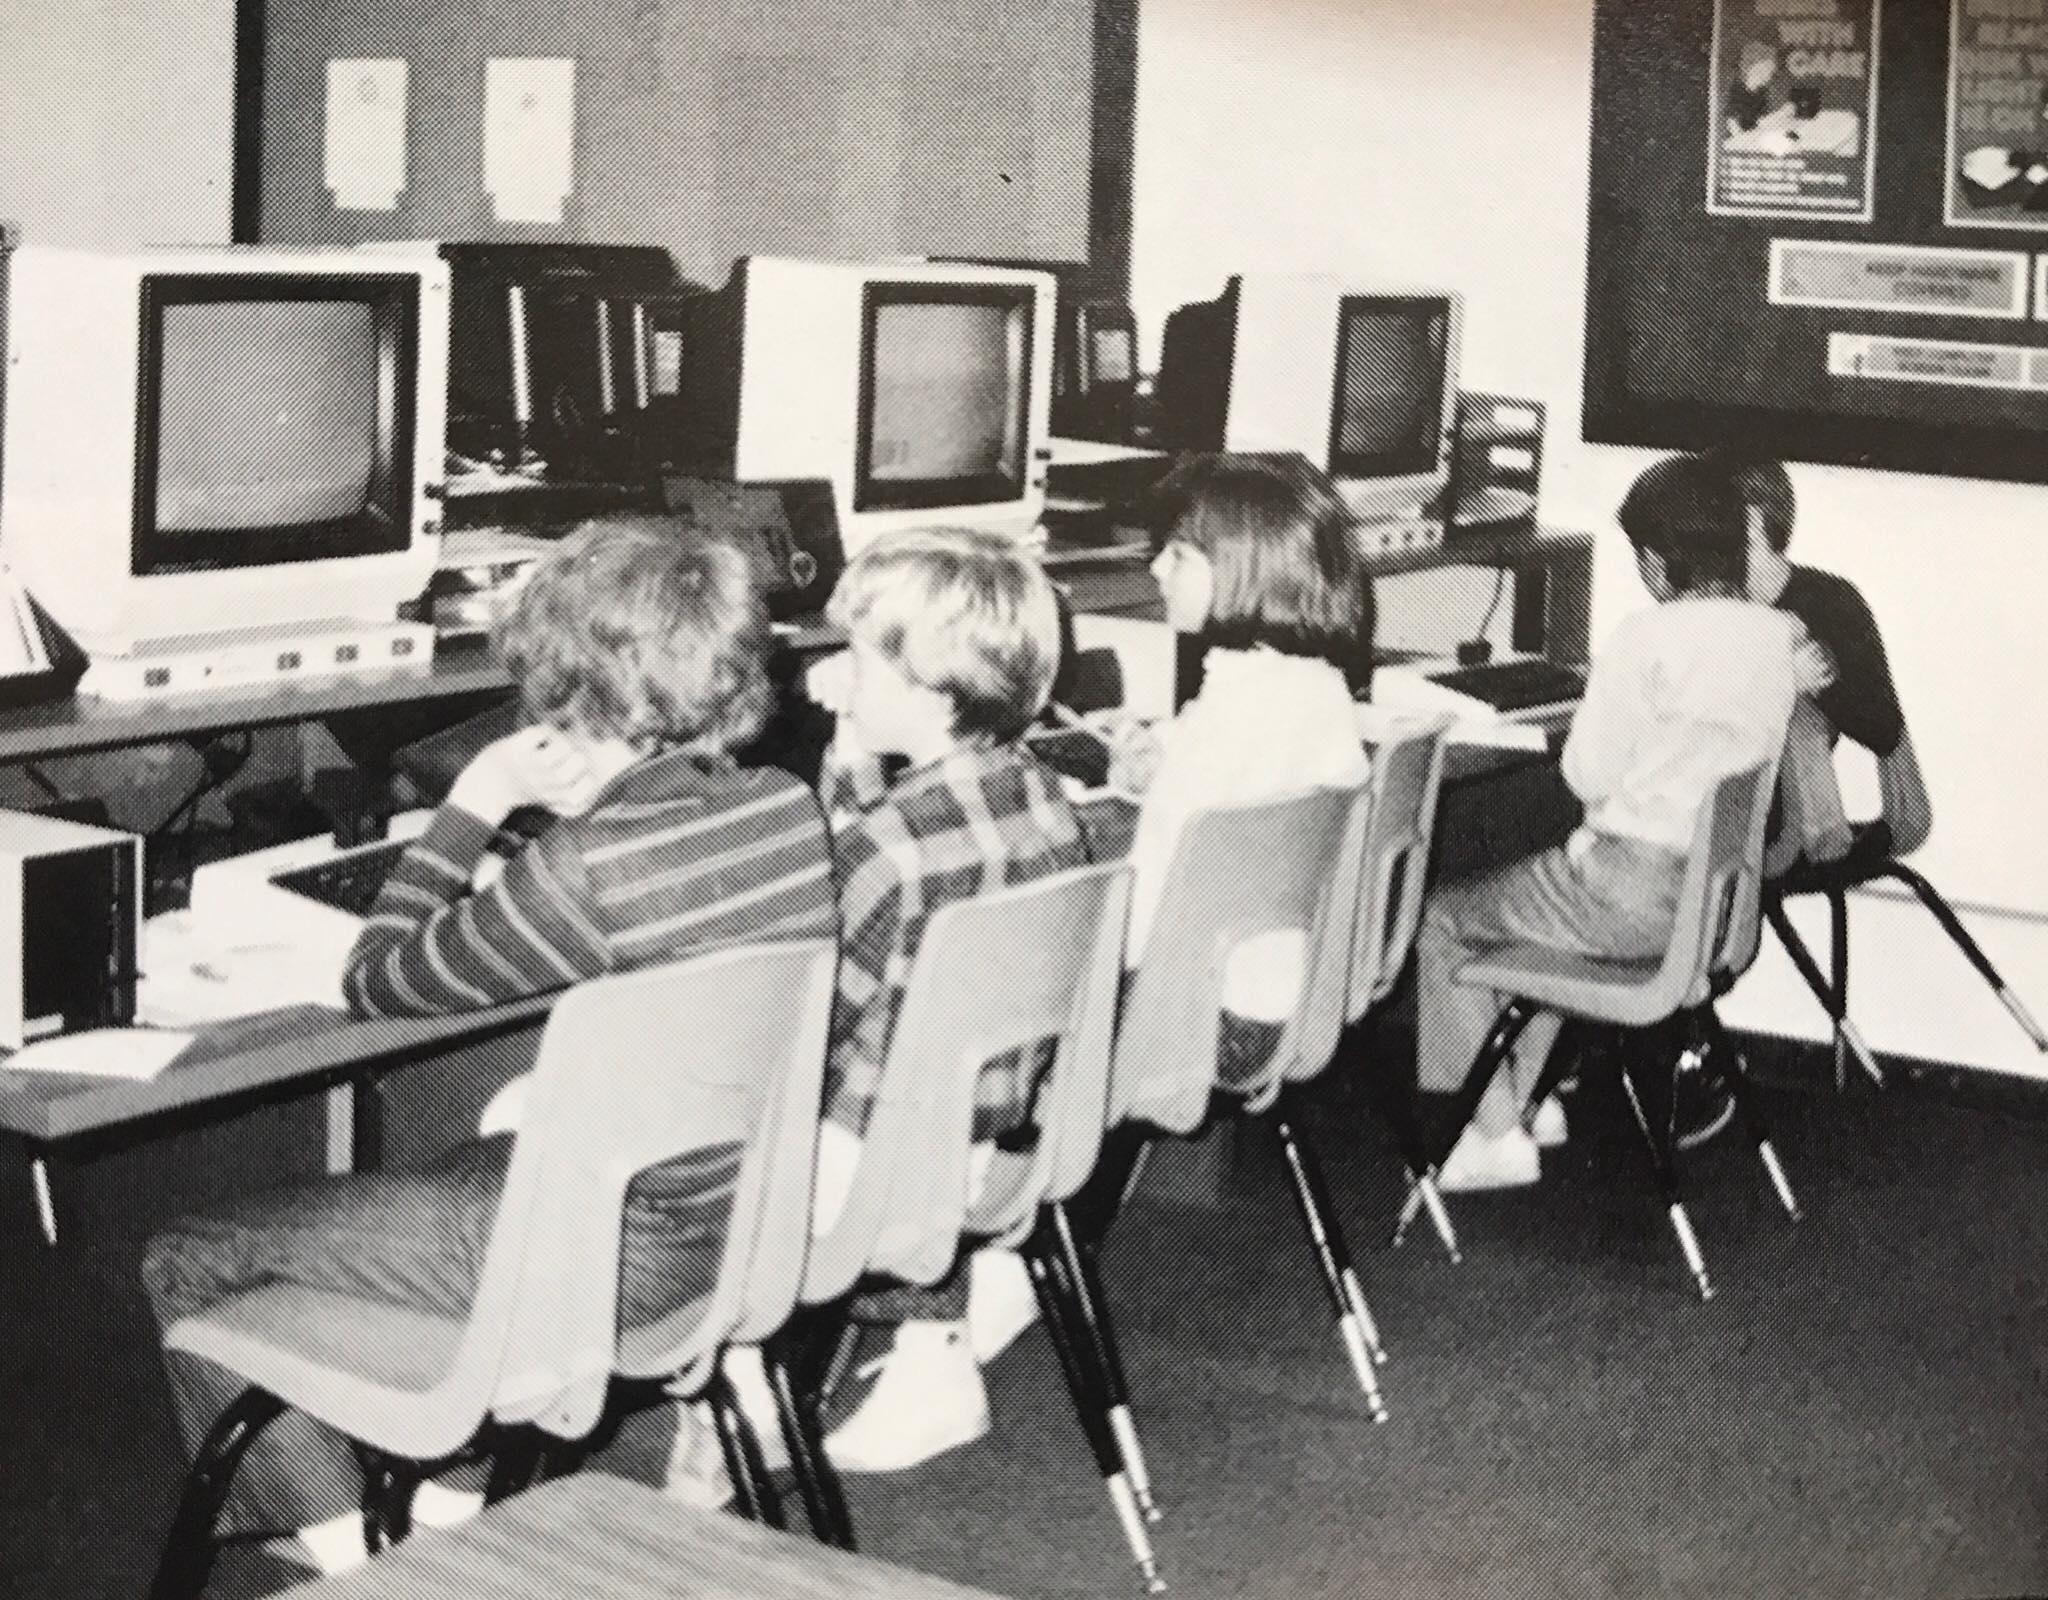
[1407,772]
[1288,863]
[994,973]
[1715,931]
[635,1069]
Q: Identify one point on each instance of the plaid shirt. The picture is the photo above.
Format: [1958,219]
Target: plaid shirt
[973,821]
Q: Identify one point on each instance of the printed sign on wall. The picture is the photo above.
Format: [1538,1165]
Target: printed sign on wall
[1997,114]
[1793,106]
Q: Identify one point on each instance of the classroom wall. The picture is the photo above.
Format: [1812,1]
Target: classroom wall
[1447,141]
[116,120]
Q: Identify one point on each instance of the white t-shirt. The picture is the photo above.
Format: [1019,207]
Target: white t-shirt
[1680,696]
[1265,724]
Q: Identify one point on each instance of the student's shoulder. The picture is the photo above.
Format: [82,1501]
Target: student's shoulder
[1819,590]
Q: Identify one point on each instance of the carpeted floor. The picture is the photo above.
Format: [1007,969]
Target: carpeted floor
[1862,1410]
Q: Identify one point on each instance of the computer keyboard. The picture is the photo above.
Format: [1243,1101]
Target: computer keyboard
[1522,684]
[349,881]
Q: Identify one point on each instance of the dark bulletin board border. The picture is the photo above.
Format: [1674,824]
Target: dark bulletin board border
[1650,122]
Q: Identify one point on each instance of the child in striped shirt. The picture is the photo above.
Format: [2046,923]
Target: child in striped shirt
[639,650]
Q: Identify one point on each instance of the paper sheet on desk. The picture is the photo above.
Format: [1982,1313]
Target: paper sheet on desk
[1378,724]
[136,1054]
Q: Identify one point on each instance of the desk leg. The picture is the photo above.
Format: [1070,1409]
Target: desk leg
[366,1116]
[341,1129]
[39,1183]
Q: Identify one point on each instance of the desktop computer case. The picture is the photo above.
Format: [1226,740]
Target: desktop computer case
[70,908]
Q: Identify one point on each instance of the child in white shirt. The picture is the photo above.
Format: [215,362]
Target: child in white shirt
[1258,561]
[1695,688]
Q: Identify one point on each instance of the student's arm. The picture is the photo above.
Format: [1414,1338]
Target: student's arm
[871,903]
[431,946]
[1601,743]
[850,780]
[1861,702]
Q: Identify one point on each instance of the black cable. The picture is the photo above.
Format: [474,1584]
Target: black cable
[36,776]
[1478,646]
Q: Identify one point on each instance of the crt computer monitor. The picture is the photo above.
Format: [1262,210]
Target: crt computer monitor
[548,367]
[1360,379]
[918,390]
[203,441]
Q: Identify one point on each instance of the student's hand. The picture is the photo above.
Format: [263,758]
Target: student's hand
[1813,669]
[1135,751]
[536,766]
[829,682]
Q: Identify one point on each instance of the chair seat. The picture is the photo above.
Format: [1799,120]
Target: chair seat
[1625,993]
[1868,855]
[367,1367]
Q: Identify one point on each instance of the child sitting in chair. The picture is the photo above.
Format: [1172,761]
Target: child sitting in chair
[1257,562]
[953,638]
[1683,694]
[638,648]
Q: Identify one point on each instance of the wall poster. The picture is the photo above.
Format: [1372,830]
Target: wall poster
[1997,173]
[1792,108]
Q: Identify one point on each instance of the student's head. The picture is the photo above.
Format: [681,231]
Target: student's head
[1686,520]
[639,629]
[1766,491]
[1260,551]
[949,631]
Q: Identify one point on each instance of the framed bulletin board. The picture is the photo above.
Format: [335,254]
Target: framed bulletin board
[1819,229]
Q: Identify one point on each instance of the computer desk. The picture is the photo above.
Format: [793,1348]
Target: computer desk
[273,1056]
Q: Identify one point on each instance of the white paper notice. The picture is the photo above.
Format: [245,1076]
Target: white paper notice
[529,136]
[365,151]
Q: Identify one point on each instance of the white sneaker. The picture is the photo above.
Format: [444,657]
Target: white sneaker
[1548,1127]
[928,1399]
[696,1462]
[749,1380]
[1499,1161]
[1001,1303]
[435,1505]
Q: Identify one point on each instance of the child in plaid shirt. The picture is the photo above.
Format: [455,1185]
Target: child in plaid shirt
[952,641]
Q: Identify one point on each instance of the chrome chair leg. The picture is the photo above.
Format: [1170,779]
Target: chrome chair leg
[1085,1384]
[1326,1239]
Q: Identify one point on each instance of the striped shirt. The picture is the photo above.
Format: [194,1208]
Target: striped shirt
[678,854]
[970,822]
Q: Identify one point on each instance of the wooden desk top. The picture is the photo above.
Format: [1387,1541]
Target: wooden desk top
[297,1049]
[592,1535]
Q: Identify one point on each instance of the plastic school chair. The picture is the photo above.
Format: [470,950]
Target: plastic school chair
[971,999]
[719,1050]
[1292,863]
[1406,777]
[1668,999]
[1875,850]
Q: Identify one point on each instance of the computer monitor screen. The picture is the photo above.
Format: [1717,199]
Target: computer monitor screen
[1115,361]
[293,441]
[1388,407]
[944,394]
[220,440]
[270,423]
